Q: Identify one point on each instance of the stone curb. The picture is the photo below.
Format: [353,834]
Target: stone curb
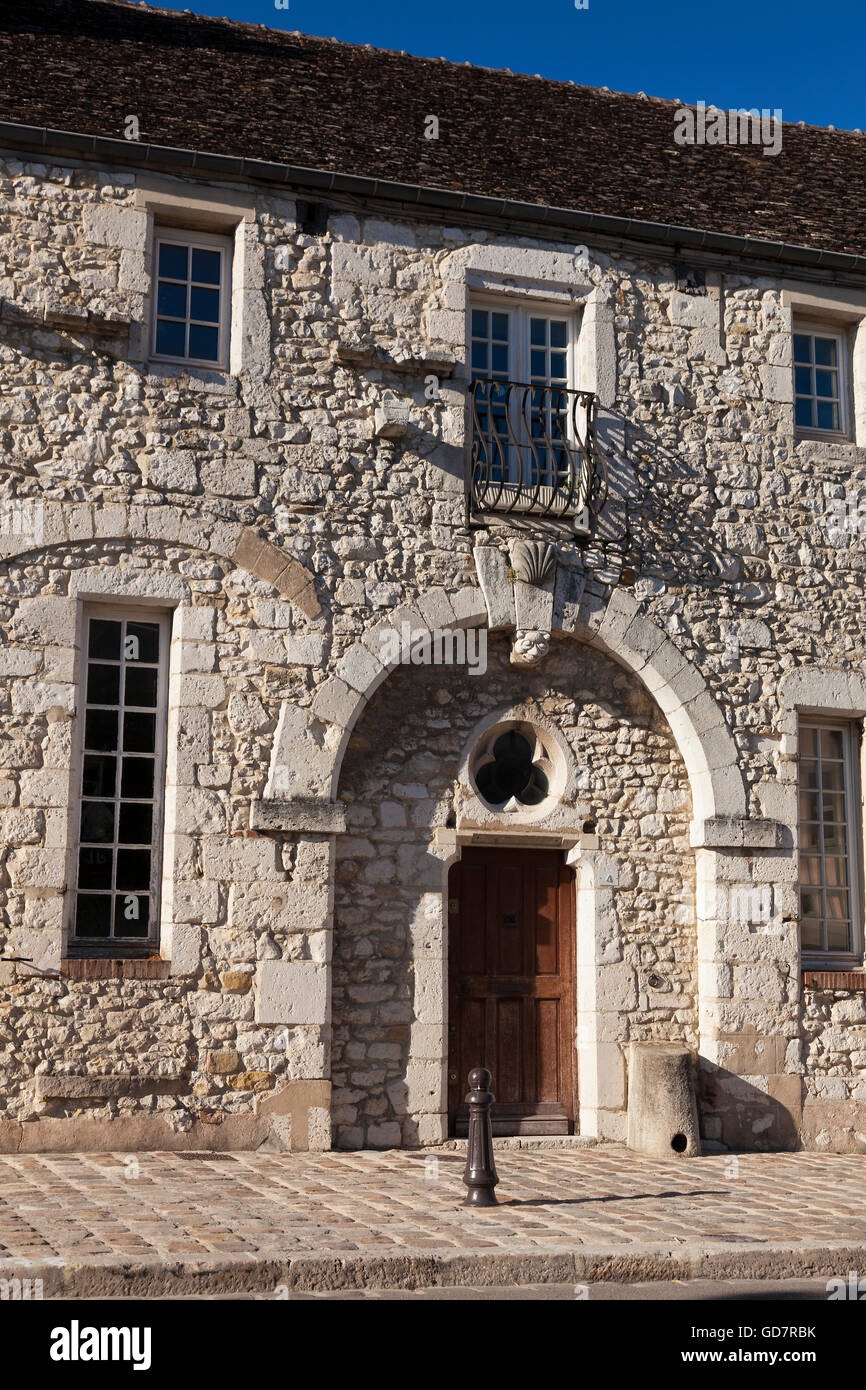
[108,1276]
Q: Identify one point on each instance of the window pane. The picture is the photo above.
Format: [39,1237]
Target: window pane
[204,304]
[137,777]
[838,936]
[837,904]
[479,323]
[170,337]
[139,733]
[803,380]
[136,824]
[93,915]
[173,260]
[827,415]
[832,777]
[825,352]
[99,776]
[499,356]
[97,822]
[499,327]
[802,347]
[538,331]
[104,640]
[171,300]
[832,806]
[100,730]
[832,744]
[808,742]
[133,870]
[812,934]
[95,867]
[141,686]
[479,357]
[142,642]
[803,413]
[825,383]
[810,903]
[131,915]
[203,342]
[103,684]
[835,838]
[558,334]
[206,266]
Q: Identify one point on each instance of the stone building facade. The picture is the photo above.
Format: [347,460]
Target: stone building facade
[242,427]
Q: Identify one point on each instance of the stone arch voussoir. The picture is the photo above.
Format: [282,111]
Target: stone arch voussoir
[48,524]
[616,627]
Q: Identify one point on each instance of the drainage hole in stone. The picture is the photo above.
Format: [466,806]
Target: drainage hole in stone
[679,1143]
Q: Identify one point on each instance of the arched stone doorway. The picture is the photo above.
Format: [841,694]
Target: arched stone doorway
[409,817]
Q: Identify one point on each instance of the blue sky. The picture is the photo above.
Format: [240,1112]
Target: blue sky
[804,57]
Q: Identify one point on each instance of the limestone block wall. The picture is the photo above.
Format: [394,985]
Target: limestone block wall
[834,1068]
[264,496]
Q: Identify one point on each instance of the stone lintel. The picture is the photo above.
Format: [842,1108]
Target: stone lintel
[739,832]
[302,813]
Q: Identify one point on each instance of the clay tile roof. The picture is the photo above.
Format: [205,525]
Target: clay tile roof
[243,90]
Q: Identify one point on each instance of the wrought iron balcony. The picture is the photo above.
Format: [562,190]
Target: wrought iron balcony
[533,450]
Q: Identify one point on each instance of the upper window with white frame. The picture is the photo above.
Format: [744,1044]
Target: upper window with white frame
[820,380]
[121,780]
[192,292]
[529,423]
[830,835]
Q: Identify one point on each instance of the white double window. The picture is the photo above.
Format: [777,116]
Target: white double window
[120,779]
[522,363]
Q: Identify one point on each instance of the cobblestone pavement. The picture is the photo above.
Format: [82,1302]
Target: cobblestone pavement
[378,1218]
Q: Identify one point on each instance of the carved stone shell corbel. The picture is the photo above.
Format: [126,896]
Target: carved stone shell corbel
[533,561]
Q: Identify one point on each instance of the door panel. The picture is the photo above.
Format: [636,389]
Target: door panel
[511,987]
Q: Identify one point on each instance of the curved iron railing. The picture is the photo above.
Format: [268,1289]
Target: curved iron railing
[533,450]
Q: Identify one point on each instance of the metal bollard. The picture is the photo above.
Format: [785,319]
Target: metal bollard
[480,1174]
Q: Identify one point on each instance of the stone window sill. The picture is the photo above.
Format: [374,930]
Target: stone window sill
[105,968]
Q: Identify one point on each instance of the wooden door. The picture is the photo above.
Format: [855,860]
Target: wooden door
[512,987]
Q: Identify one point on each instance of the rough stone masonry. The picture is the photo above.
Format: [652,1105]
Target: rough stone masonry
[279,514]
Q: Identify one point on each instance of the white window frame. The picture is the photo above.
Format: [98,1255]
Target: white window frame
[205,241]
[120,946]
[525,308]
[852,733]
[814,328]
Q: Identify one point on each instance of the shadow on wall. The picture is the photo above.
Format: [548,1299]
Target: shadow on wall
[739,1115]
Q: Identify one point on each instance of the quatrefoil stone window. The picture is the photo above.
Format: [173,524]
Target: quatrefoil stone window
[512,768]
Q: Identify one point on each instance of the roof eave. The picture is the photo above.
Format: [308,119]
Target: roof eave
[762,255]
